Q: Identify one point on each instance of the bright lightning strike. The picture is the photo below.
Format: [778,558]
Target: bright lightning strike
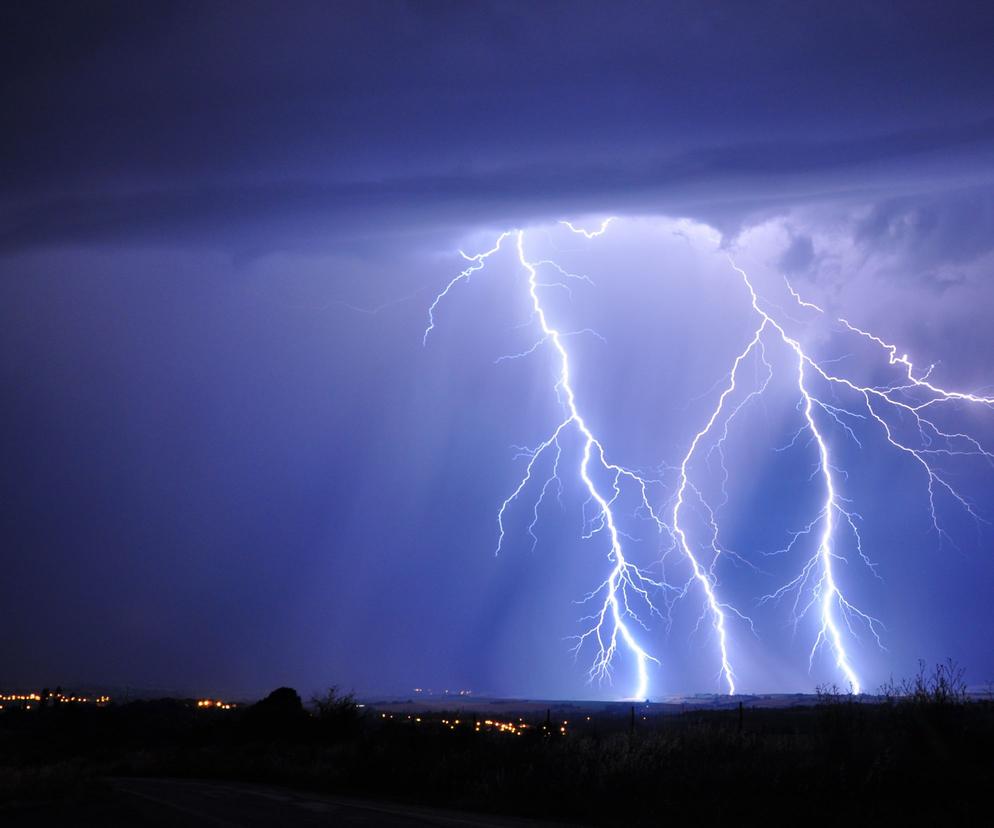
[818,573]
[590,234]
[627,596]
[626,589]
[816,587]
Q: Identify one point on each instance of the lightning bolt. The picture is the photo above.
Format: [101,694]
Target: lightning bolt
[817,586]
[628,594]
[590,234]
[625,592]
[817,575]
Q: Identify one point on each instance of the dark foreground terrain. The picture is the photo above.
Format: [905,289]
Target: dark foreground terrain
[922,758]
[194,803]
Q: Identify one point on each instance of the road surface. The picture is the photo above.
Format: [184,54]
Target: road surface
[189,803]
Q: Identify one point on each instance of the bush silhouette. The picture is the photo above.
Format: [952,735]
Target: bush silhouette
[338,714]
[944,685]
[281,713]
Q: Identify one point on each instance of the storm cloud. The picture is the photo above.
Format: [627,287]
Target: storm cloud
[220,228]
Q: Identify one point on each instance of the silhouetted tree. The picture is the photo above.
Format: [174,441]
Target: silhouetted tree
[281,713]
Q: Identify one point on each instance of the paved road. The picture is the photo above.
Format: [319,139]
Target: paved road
[185,803]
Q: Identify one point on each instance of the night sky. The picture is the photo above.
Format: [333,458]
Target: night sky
[228,461]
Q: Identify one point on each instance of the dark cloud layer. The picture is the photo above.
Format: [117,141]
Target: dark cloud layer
[187,119]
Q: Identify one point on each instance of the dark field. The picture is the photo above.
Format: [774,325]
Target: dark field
[926,758]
